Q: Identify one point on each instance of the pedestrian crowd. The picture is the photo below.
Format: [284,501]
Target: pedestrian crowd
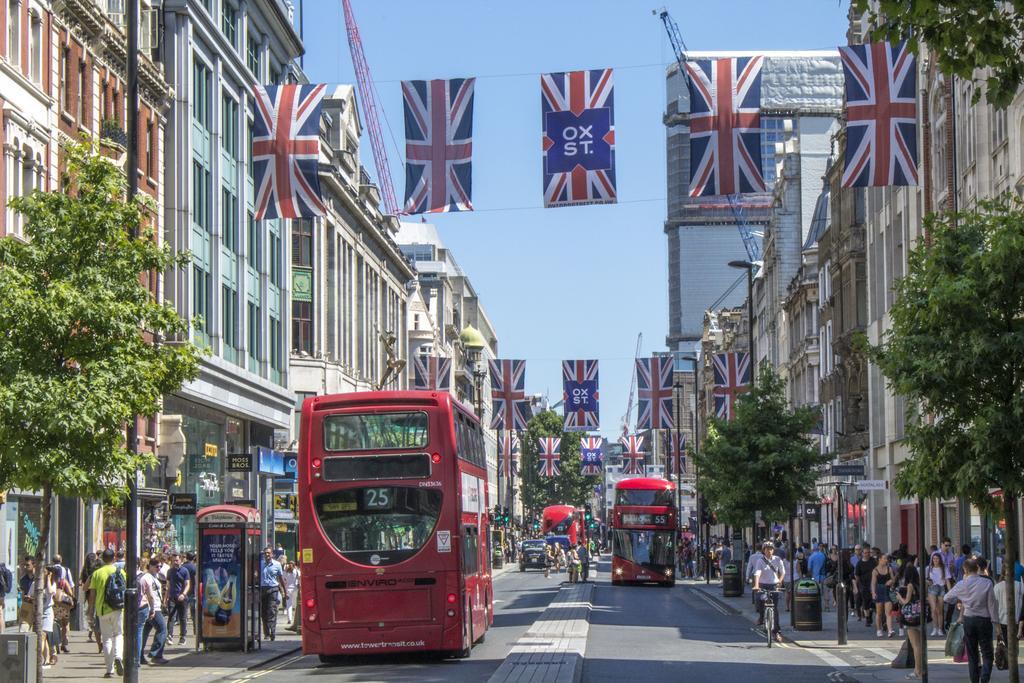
[167,592]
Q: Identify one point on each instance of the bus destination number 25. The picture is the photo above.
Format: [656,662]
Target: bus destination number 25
[378,499]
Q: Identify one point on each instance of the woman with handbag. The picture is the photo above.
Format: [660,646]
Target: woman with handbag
[910,613]
[51,641]
[63,604]
[938,583]
[882,579]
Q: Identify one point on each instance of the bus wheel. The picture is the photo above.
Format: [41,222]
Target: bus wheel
[330,659]
[465,652]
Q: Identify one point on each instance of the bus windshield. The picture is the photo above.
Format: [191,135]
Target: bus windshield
[378,525]
[644,497]
[563,526]
[644,547]
[365,431]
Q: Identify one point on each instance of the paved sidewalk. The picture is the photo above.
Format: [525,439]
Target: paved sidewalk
[551,651]
[865,657]
[185,665]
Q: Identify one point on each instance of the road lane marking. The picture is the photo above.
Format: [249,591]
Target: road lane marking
[275,667]
[828,658]
[884,654]
[711,601]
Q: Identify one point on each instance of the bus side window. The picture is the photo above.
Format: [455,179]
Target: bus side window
[478,446]
[470,558]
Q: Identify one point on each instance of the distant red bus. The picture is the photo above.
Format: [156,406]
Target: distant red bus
[563,520]
[644,531]
[393,525]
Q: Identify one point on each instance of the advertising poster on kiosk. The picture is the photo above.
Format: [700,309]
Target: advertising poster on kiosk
[222,583]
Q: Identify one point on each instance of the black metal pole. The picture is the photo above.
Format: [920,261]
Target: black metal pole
[792,575]
[679,473]
[131,601]
[750,328]
[922,588]
[841,611]
[696,449]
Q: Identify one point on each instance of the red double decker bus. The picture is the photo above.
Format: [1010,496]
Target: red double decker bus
[393,525]
[562,520]
[644,531]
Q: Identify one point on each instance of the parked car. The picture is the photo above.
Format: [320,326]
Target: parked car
[532,554]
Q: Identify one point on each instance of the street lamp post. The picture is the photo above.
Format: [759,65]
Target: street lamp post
[673,448]
[749,267]
[703,532]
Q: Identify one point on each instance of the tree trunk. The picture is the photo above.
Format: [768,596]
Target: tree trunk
[37,590]
[1009,564]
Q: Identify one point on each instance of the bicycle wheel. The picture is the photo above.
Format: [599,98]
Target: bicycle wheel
[769,622]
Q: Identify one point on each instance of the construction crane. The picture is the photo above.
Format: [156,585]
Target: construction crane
[368,97]
[632,387]
[679,49]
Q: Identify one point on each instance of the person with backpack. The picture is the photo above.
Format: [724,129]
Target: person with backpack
[6,586]
[108,584]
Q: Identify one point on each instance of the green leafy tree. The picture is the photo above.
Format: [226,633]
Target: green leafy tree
[965,36]
[570,487]
[762,459]
[956,350]
[75,366]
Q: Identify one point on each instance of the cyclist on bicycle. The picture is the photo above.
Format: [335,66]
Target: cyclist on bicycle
[768,578]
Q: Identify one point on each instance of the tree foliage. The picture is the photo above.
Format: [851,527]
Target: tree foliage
[74,366]
[955,349]
[570,487]
[964,35]
[762,459]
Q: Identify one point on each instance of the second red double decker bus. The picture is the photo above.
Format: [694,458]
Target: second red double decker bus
[393,525]
[562,520]
[644,531]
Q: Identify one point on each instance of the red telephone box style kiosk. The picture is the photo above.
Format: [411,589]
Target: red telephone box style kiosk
[228,574]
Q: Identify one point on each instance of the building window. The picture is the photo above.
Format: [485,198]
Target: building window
[150,150]
[275,260]
[771,133]
[275,345]
[275,75]
[229,321]
[253,242]
[998,127]
[201,88]
[302,327]
[255,338]
[14,32]
[252,55]
[229,22]
[201,299]
[302,242]
[64,77]
[201,195]
[250,167]
[83,91]
[36,49]
[229,133]
[229,218]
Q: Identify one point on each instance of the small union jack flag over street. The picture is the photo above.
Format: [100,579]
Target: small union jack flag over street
[732,378]
[881,115]
[654,388]
[438,145]
[578,117]
[633,455]
[509,444]
[590,455]
[675,452]
[509,406]
[725,126]
[549,453]
[431,373]
[286,151]
[580,395]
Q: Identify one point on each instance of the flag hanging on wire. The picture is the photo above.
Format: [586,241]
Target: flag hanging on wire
[580,395]
[438,145]
[578,118]
[633,455]
[549,454]
[731,378]
[590,455]
[286,151]
[509,407]
[725,126]
[881,115]
[431,373]
[654,392]
[509,445]
[675,452]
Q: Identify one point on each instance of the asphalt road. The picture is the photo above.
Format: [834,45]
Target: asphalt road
[519,600]
[650,633]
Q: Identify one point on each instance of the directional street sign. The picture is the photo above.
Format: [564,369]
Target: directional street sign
[872,485]
[848,470]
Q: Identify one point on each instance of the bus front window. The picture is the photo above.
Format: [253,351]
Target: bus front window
[378,525]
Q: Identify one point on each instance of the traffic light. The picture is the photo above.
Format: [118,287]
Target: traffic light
[588,514]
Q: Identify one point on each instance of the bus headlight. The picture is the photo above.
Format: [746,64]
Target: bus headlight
[668,573]
[618,571]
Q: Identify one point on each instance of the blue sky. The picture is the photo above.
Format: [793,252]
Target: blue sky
[562,283]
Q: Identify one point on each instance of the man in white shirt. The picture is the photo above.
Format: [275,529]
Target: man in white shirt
[976,594]
[149,586]
[768,578]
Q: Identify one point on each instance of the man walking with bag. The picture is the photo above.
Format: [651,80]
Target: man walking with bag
[109,585]
[976,594]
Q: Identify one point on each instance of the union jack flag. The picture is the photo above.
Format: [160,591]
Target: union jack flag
[881,115]
[732,378]
[438,145]
[509,450]
[509,406]
[580,395]
[590,455]
[675,452]
[431,373]
[725,126]
[633,455]
[286,151]
[578,116]
[654,385]
[549,454]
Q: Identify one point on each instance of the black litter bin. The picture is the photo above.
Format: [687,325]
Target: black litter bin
[732,583]
[807,606]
